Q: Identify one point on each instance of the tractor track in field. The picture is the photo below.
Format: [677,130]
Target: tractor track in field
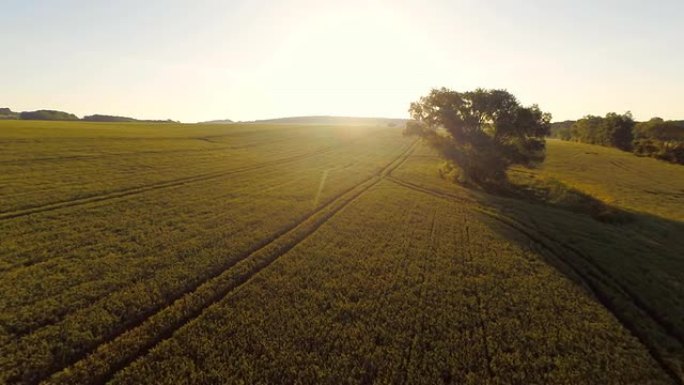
[122,193]
[624,167]
[591,280]
[21,162]
[126,192]
[643,174]
[29,263]
[118,350]
[41,261]
[59,315]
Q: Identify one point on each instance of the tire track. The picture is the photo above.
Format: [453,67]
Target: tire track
[59,315]
[591,280]
[628,169]
[9,268]
[91,299]
[119,350]
[602,278]
[20,162]
[544,239]
[30,261]
[122,193]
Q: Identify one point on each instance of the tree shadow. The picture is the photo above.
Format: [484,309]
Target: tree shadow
[631,262]
[551,192]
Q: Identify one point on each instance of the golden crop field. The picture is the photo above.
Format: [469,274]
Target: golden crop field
[170,253]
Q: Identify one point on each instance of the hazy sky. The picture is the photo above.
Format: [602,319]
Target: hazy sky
[203,59]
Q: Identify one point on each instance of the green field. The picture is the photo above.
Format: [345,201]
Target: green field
[150,253]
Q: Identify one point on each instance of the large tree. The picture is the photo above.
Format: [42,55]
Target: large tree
[481,133]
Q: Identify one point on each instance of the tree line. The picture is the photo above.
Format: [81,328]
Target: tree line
[482,133]
[54,115]
[658,138]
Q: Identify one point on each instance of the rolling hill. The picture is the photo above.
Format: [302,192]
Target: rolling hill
[333,120]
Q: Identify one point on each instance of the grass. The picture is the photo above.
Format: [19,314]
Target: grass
[134,253]
[615,177]
[81,274]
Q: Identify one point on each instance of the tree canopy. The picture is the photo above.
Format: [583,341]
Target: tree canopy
[613,130]
[662,139]
[658,138]
[657,128]
[481,133]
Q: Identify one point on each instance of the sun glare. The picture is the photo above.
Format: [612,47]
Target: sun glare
[353,60]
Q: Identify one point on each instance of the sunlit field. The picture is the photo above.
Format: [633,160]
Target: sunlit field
[169,253]
[618,178]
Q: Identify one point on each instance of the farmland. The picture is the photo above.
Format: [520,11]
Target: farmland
[139,253]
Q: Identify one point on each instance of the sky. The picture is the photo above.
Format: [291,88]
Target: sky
[196,60]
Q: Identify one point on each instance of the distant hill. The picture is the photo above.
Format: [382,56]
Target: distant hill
[47,115]
[220,121]
[107,118]
[334,120]
[6,113]
[121,119]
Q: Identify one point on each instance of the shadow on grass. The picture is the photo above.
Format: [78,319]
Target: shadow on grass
[632,263]
[554,193]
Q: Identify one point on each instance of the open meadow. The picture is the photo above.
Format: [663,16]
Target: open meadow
[255,253]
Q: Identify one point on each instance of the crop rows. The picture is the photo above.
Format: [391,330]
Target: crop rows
[120,193]
[400,287]
[130,344]
[70,301]
[40,185]
[300,255]
[612,265]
